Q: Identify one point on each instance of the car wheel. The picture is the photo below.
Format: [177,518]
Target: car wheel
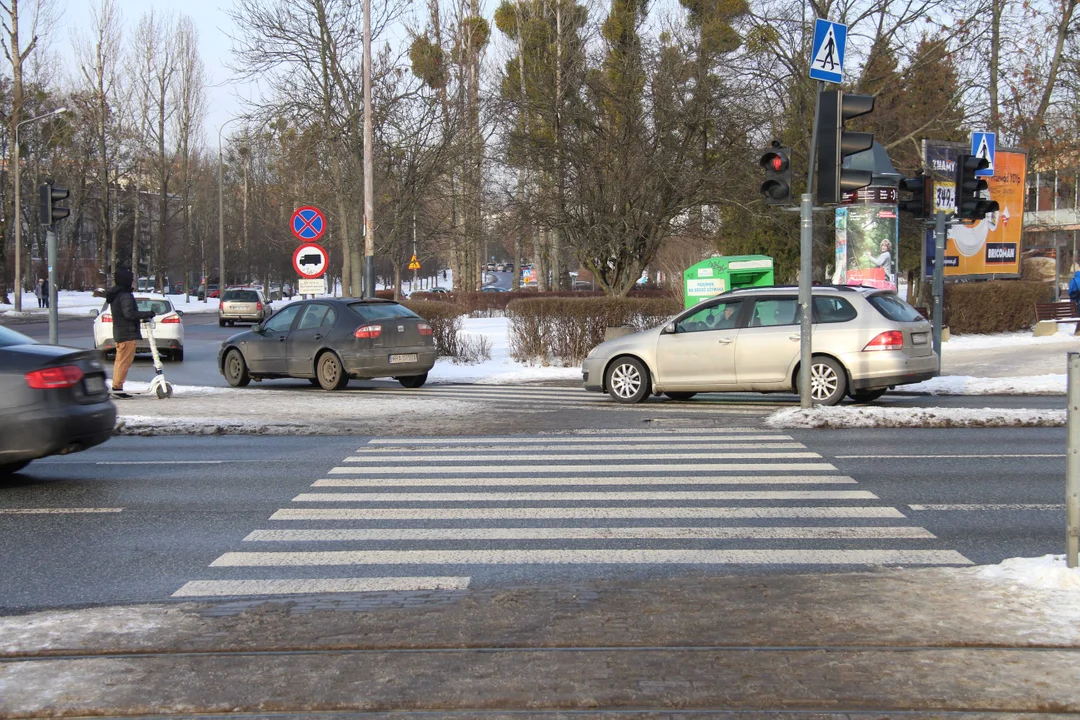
[828,383]
[12,468]
[865,396]
[236,371]
[178,355]
[314,381]
[221,323]
[680,395]
[412,381]
[627,380]
[330,373]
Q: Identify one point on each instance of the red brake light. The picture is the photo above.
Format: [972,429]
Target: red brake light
[106,318]
[258,306]
[368,331]
[52,378]
[424,328]
[890,340]
[170,320]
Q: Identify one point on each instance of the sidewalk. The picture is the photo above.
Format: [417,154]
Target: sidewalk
[929,641]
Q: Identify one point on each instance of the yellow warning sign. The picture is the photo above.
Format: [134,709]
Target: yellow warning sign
[414,264]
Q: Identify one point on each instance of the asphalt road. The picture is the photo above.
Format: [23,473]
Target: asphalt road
[138,519]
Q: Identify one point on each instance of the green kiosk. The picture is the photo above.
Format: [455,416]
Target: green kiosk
[716,275]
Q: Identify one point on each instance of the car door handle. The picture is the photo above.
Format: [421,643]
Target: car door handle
[318,336]
[281,338]
[794,337]
[726,341]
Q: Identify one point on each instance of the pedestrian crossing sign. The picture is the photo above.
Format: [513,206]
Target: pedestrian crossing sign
[414,264]
[984,145]
[827,60]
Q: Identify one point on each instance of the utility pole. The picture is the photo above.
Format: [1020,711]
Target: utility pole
[369,164]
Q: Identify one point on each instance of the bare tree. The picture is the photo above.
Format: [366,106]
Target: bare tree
[190,103]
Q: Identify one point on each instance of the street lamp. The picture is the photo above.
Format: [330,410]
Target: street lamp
[18,208]
[221,219]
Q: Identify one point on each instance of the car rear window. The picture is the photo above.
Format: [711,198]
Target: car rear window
[894,308]
[160,307]
[833,310]
[10,337]
[381,311]
[241,296]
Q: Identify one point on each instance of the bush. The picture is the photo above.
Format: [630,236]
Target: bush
[473,349]
[487,304]
[445,321]
[993,306]
[565,329]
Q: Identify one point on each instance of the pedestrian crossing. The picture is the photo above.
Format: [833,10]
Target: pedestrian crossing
[431,513]
[554,398]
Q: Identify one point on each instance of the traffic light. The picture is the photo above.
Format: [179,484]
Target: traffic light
[834,144]
[969,189]
[919,205]
[777,163]
[48,195]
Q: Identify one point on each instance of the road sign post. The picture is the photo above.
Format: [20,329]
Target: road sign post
[940,233]
[1072,464]
[806,267]
[50,244]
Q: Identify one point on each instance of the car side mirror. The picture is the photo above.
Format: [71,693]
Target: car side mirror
[180,313]
[93,313]
[257,329]
[669,329]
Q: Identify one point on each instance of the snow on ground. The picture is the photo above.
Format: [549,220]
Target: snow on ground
[1011,340]
[83,304]
[873,417]
[1041,592]
[501,368]
[1048,572]
[967,385]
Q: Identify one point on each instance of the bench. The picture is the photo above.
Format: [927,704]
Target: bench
[1049,315]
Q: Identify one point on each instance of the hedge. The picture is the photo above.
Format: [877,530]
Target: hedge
[484,303]
[993,306]
[445,321]
[564,329]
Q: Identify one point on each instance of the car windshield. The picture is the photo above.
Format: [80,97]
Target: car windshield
[10,337]
[381,311]
[241,296]
[894,308]
[160,307]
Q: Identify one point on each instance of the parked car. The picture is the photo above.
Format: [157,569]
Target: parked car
[865,341]
[213,291]
[331,340]
[53,400]
[168,329]
[243,304]
[437,289]
[492,288]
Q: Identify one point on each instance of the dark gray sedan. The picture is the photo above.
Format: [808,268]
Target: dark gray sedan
[330,341]
[53,400]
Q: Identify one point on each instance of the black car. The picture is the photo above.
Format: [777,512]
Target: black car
[331,340]
[53,400]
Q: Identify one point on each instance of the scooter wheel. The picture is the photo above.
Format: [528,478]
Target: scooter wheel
[163,391]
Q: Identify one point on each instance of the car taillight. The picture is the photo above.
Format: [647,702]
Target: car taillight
[424,328]
[170,320]
[368,331]
[258,307]
[52,378]
[891,340]
[106,318]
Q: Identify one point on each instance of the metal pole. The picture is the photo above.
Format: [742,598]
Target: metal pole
[806,249]
[369,165]
[18,226]
[1072,464]
[50,241]
[939,276]
[813,139]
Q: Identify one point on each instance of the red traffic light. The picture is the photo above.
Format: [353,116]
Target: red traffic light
[777,163]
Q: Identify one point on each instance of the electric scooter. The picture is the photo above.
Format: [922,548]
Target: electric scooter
[159,386]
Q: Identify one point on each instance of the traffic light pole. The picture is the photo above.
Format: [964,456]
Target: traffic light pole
[940,233]
[806,267]
[50,242]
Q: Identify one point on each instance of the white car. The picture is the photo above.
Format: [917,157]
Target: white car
[168,329]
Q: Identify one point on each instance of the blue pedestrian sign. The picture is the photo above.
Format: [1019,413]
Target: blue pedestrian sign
[827,58]
[984,145]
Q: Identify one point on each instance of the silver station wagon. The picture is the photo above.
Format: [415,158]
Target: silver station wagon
[865,341]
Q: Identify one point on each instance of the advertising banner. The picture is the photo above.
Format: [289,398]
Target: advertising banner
[866,241]
[989,247]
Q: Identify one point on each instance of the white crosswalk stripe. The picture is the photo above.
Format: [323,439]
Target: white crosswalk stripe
[462,507]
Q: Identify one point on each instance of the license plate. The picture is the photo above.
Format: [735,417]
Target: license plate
[403,358]
[919,338]
[94,385]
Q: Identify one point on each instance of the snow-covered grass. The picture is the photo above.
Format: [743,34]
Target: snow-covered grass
[967,385]
[1064,336]
[501,368]
[875,417]
[83,304]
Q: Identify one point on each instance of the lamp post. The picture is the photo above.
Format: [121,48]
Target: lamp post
[221,219]
[18,208]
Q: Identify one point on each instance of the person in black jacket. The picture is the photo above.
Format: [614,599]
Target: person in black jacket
[126,317]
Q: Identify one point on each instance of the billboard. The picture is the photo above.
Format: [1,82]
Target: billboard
[866,240]
[989,247]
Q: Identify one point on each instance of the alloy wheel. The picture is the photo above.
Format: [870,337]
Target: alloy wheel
[823,382]
[626,380]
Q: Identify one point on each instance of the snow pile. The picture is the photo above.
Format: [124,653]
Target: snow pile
[875,417]
[154,425]
[1010,340]
[135,386]
[966,385]
[1048,572]
[59,629]
[501,369]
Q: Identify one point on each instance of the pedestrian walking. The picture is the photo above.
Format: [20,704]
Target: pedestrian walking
[45,293]
[126,319]
[40,293]
[1074,294]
